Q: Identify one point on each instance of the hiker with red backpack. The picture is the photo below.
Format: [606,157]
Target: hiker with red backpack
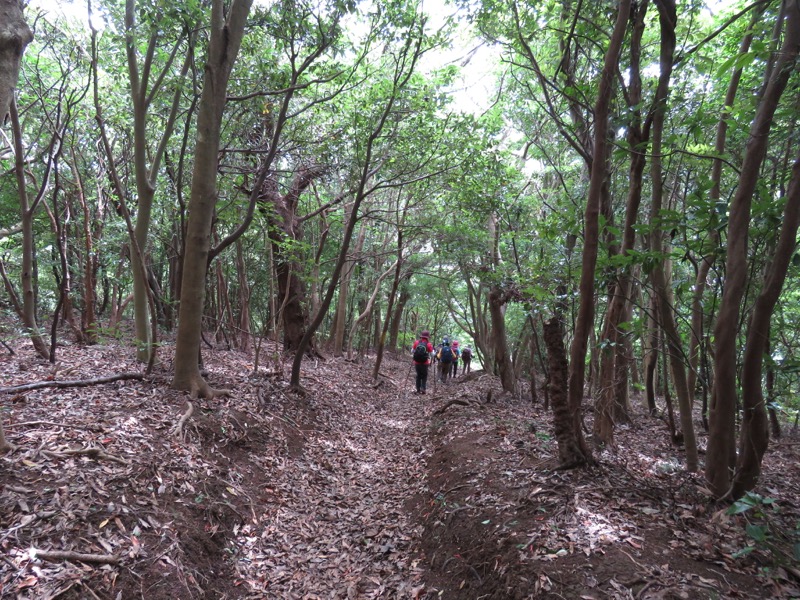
[421,355]
[466,359]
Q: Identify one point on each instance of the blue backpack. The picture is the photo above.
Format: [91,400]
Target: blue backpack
[447,354]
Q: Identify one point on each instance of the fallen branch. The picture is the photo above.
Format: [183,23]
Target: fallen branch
[90,452]
[70,383]
[59,555]
[53,424]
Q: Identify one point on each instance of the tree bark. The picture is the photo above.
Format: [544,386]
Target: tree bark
[570,448]
[585,317]
[27,210]
[226,35]
[697,339]
[754,436]
[721,453]
[608,409]
[15,35]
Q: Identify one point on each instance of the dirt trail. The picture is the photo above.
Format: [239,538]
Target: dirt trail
[336,522]
[355,492]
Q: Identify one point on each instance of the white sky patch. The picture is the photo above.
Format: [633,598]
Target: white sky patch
[476,87]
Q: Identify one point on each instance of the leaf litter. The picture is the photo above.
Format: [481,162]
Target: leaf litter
[354,491]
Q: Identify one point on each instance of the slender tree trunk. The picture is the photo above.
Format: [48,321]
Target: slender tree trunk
[497,301]
[244,298]
[570,448]
[754,436]
[225,39]
[667,20]
[397,315]
[697,340]
[611,341]
[599,173]
[15,35]
[340,319]
[407,61]
[721,453]
[88,317]
[26,214]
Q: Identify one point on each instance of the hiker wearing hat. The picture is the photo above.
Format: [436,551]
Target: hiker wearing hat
[421,354]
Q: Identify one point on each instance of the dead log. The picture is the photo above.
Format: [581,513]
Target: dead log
[70,383]
[59,555]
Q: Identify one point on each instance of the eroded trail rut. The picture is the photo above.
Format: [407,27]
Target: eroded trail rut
[334,519]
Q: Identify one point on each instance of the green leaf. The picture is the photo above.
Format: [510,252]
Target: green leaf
[757,532]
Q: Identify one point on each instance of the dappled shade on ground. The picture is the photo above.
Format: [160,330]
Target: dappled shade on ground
[356,491]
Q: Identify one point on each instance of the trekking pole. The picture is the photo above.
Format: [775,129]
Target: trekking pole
[408,374]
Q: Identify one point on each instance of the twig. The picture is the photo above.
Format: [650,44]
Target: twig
[90,590]
[70,383]
[59,555]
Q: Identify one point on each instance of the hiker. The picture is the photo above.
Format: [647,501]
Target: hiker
[466,358]
[456,354]
[421,355]
[445,357]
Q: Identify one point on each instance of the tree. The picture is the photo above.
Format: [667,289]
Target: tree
[721,453]
[226,33]
[15,35]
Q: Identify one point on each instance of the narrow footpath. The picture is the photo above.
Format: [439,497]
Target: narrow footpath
[335,521]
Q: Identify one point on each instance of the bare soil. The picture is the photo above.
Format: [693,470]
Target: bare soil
[357,490]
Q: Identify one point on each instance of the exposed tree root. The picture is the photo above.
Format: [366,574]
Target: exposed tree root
[458,402]
[178,431]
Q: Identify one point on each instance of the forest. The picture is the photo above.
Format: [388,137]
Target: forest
[222,213]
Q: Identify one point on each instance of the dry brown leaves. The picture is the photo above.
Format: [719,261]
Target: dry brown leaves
[354,492]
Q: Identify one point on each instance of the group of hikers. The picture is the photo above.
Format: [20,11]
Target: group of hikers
[447,355]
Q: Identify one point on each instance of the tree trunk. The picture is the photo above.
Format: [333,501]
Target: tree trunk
[88,317]
[497,301]
[754,436]
[26,214]
[407,60]
[667,21]
[599,174]
[284,228]
[15,35]
[367,312]
[397,315]
[225,39]
[570,448]
[651,357]
[697,340]
[721,453]
[610,407]
[340,318]
[244,298]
